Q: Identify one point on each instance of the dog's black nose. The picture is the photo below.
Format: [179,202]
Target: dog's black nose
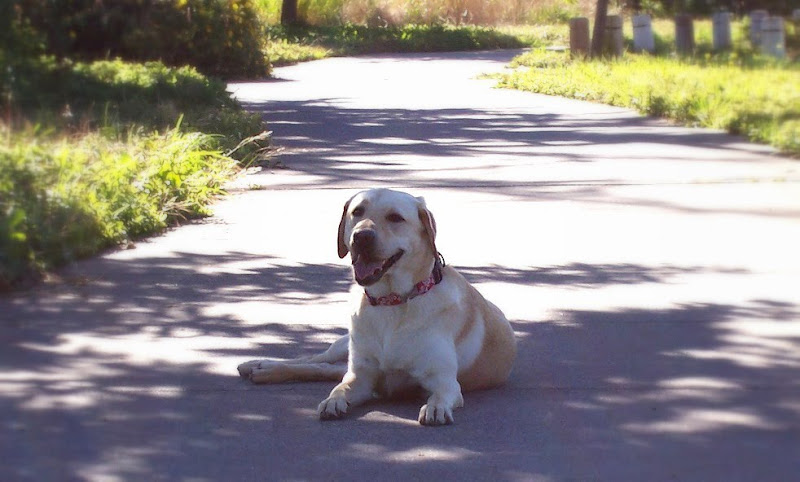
[363,239]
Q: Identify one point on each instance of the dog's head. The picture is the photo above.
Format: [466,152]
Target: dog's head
[387,233]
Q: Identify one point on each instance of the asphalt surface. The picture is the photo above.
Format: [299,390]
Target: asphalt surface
[650,272]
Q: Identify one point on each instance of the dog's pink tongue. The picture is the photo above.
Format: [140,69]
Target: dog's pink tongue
[363,268]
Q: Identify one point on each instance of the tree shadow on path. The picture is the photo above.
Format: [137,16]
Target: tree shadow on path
[118,376]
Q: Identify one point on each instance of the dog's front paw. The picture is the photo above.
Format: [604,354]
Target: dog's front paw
[332,407]
[435,414]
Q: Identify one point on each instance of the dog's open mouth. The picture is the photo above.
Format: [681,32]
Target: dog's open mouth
[368,271]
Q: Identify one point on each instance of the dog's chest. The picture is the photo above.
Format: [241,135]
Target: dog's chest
[391,340]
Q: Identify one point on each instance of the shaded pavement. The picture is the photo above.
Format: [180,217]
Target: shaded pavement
[649,270]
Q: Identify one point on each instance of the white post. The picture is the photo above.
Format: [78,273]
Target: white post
[643,40]
[773,40]
[756,17]
[721,22]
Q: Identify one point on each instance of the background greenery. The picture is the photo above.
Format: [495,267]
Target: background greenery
[290,44]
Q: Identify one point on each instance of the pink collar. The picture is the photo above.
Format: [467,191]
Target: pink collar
[393,299]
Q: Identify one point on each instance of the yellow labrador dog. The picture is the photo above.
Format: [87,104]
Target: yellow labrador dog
[419,324]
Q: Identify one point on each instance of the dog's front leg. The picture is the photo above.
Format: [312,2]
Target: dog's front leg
[440,379]
[445,396]
[356,388]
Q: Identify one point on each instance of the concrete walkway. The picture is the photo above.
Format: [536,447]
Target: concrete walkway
[651,273]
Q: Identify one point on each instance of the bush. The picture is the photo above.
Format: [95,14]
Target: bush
[218,37]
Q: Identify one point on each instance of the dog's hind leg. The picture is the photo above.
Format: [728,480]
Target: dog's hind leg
[335,353]
[279,372]
[317,367]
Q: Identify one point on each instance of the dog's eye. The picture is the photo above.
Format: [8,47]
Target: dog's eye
[358,212]
[395,218]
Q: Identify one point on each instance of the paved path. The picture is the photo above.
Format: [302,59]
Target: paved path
[651,273]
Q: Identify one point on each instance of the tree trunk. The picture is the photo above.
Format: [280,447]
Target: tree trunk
[289,12]
[599,28]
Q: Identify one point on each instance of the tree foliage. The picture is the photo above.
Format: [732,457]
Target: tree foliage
[219,37]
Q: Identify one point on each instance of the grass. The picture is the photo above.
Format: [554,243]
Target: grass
[98,153]
[740,92]
[66,198]
[112,95]
[299,43]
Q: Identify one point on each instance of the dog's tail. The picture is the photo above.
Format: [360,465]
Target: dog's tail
[326,366]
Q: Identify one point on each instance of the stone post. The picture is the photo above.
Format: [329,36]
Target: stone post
[612,40]
[643,40]
[579,43]
[796,22]
[684,34]
[756,17]
[773,40]
[721,22]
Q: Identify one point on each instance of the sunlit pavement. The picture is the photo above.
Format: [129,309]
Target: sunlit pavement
[651,273]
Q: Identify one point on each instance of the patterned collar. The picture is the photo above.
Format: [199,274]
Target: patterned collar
[393,299]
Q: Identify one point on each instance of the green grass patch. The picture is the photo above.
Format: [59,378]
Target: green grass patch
[284,52]
[293,44]
[538,35]
[67,198]
[750,96]
[112,95]
[98,153]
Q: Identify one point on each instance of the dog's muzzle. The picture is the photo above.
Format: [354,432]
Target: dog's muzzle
[368,268]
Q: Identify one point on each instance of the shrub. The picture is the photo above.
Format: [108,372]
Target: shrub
[219,37]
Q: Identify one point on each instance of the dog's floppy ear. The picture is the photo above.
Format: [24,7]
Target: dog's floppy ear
[426,217]
[340,238]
